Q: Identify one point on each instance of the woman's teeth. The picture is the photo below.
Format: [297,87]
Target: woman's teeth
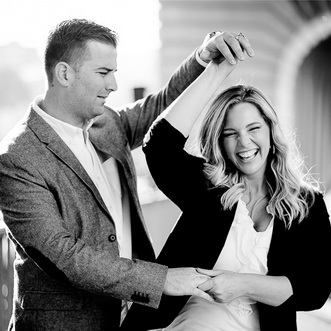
[248,155]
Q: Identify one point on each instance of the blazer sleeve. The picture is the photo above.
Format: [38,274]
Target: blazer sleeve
[310,272]
[177,173]
[137,117]
[303,254]
[32,212]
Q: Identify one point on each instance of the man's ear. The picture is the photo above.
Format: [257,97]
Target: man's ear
[64,74]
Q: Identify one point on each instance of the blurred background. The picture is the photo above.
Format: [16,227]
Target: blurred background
[292,43]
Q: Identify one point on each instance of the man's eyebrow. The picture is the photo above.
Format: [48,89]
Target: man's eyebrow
[106,69]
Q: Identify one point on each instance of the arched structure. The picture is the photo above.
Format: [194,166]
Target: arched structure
[294,52]
[303,92]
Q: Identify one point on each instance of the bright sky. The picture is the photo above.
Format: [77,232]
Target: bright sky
[29,21]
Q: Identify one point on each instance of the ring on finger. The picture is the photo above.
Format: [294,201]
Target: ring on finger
[240,34]
[215,33]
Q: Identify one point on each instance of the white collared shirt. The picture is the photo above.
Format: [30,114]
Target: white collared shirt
[105,175]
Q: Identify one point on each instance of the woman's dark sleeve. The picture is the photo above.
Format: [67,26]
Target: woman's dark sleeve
[303,254]
[177,174]
[311,276]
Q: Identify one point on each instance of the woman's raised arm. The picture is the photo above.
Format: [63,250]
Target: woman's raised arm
[185,110]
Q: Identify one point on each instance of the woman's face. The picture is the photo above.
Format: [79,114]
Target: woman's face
[246,140]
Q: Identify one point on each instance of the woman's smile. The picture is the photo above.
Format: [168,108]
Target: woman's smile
[248,155]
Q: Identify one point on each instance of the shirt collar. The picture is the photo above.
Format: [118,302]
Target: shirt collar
[65,130]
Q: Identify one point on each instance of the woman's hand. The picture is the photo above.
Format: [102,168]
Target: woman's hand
[222,46]
[185,281]
[224,286]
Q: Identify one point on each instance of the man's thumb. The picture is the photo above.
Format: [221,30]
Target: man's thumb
[207,272]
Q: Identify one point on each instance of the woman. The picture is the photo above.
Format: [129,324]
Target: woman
[248,211]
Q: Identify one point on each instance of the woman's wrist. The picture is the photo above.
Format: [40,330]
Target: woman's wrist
[271,290]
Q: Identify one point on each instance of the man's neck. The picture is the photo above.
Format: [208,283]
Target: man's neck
[52,105]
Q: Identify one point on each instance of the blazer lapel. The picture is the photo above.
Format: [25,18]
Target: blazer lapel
[217,235]
[199,235]
[58,147]
[277,249]
[108,137]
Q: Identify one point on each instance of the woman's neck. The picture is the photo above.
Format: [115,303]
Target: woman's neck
[255,190]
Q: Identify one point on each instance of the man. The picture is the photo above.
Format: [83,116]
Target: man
[68,188]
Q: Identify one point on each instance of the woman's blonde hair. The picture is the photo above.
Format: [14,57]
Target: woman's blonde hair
[291,187]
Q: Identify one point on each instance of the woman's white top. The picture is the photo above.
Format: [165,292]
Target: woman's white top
[245,251]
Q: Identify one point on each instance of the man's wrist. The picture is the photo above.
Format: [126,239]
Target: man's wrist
[200,49]
[198,58]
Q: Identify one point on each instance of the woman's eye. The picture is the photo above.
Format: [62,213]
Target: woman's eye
[228,134]
[254,128]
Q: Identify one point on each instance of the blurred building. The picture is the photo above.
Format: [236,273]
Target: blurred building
[292,43]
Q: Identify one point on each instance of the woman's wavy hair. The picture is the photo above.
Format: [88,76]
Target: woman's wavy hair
[290,185]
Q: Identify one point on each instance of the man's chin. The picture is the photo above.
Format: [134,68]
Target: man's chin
[100,110]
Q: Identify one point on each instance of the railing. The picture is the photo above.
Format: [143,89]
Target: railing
[7,256]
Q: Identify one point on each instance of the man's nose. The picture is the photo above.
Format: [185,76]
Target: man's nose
[111,83]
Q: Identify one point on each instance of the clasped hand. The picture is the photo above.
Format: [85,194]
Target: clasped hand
[186,281]
[223,286]
[213,285]
[226,45]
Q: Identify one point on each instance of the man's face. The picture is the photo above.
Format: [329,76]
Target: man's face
[93,81]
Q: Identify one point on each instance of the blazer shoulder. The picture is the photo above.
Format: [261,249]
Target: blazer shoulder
[16,139]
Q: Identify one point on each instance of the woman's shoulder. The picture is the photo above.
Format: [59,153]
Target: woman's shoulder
[216,191]
[312,196]
[317,208]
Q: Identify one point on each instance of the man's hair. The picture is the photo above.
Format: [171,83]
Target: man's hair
[68,42]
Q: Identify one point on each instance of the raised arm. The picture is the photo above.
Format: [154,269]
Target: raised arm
[137,117]
[185,110]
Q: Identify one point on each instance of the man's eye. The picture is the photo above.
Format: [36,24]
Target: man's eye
[103,73]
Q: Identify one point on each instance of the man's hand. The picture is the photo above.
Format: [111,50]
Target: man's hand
[222,46]
[224,286]
[185,281]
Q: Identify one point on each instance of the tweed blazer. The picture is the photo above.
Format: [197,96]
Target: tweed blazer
[68,273]
[302,253]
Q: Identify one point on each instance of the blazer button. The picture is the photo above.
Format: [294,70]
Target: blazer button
[112,238]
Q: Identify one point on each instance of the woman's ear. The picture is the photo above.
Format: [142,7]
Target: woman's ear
[64,74]
[272,149]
